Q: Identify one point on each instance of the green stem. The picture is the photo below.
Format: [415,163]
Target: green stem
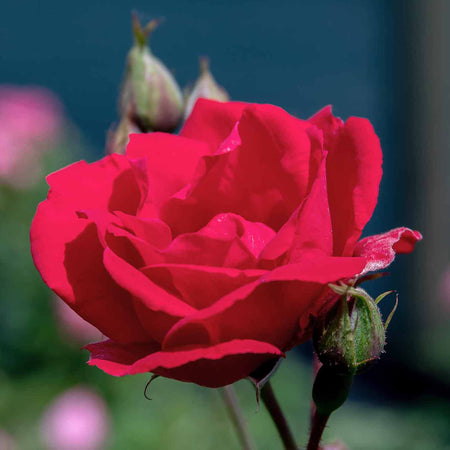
[318,424]
[269,399]
[316,365]
[239,421]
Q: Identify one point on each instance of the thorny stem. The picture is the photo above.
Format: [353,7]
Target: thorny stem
[269,399]
[232,403]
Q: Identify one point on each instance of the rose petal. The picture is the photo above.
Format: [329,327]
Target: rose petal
[66,249]
[354,174]
[212,121]
[213,366]
[135,251]
[226,241]
[328,123]
[199,286]
[116,359]
[380,250]
[156,309]
[269,309]
[264,179]
[109,184]
[171,161]
[308,228]
[154,231]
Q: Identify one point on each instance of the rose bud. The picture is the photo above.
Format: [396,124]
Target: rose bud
[150,95]
[118,138]
[76,420]
[352,335]
[205,87]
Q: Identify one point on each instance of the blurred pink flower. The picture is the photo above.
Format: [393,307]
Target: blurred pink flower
[335,446]
[76,420]
[30,121]
[72,326]
[6,441]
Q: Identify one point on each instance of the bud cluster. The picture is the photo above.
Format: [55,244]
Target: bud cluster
[150,98]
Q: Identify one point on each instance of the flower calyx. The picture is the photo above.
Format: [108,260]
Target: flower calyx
[352,336]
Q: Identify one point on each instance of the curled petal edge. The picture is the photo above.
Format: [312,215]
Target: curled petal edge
[379,250]
[211,366]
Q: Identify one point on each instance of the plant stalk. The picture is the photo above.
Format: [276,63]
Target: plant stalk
[318,424]
[236,415]
[272,405]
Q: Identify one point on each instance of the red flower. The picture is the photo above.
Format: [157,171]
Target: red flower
[202,255]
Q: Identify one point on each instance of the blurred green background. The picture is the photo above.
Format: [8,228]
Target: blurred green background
[385,60]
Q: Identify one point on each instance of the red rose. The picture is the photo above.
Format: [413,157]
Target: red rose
[201,256]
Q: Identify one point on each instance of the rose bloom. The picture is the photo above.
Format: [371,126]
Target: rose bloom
[204,255]
[29,121]
[76,420]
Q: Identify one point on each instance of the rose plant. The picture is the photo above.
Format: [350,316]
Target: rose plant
[203,255]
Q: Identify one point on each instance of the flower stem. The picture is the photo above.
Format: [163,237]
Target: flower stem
[316,365]
[232,403]
[319,422]
[277,415]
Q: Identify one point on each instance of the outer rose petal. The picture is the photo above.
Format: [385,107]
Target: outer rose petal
[268,309]
[380,250]
[354,174]
[109,184]
[171,161]
[213,366]
[66,249]
[264,179]
[212,121]
[328,123]
[68,255]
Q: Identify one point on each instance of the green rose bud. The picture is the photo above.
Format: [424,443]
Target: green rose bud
[205,87]
[150,95]
[352,335]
